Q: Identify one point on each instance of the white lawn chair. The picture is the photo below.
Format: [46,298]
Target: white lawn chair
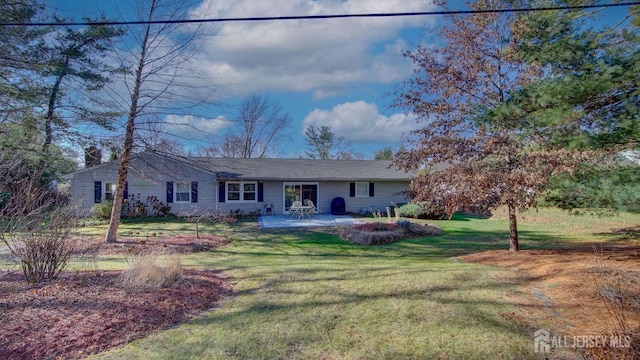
[309,208]
[296,209]
[268,207]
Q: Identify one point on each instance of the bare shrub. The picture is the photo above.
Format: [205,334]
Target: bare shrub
[372,233]
[200,216]
[134,207]
[378,233]
[617,290]
[425,230]
[152,271]
[35,227]
[157,207]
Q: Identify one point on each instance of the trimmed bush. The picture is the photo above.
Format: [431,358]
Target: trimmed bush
[418,210]
[102,210]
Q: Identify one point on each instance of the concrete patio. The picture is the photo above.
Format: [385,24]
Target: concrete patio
[318,220]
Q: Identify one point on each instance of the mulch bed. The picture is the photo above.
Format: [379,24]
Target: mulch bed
[175,244]
[88,312]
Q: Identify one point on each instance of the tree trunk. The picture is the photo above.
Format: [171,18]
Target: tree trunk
[513,230]
[123,169]
[114,221]
[48,128]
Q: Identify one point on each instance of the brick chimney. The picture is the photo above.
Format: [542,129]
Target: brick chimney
[92,156]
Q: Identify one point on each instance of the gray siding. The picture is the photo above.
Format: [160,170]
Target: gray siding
[272,193]
[149,174]
[147,180]
[385,192]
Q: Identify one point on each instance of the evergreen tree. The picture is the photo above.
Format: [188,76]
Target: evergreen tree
[588,99]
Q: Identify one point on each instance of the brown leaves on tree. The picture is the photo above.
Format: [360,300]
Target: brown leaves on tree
[475,158]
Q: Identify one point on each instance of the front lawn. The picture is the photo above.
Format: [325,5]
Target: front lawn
[306,294]
[309,295]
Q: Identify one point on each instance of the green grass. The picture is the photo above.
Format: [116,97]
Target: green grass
[307,294]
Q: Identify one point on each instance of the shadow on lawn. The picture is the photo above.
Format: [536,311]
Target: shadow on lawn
[324,243]
[311,288]
[631,233]
[457,301]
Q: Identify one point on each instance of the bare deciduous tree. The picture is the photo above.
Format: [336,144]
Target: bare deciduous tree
[161,81]
[260,127]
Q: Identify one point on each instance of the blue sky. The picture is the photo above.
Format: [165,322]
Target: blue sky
[332,72]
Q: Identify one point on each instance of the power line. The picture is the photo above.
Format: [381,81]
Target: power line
[329,16]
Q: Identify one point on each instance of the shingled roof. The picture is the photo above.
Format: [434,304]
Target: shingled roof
[301,169]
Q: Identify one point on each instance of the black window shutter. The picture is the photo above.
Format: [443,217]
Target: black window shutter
[221,191]
[260,192]
[97,191]
[169,192]
[371,189]
[125,194]
[194,191]
[352,189]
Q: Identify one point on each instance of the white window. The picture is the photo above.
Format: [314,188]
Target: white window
[109,190]
[249,192]
[241,191]
[183,192]
[233,192]
[362,189]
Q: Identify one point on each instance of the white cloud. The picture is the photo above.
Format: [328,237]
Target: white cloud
[307,55]
[195,128]
[360,122]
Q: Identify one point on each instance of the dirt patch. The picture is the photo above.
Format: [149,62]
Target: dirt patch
[88,312]
[575,292]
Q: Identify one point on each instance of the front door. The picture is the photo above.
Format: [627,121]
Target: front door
[300,191]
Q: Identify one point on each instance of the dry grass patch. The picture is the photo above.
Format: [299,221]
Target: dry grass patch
[619,291]
[152,271]
[586,291]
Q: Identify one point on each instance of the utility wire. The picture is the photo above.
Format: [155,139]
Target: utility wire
[330,16]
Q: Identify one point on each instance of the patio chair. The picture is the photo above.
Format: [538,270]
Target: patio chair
[310,208]
[268,208]
[296,209]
